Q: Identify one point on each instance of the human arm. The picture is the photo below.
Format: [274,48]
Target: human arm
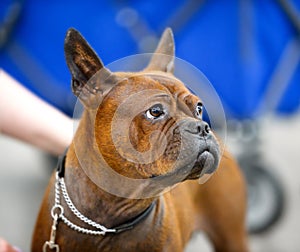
[6,247]
[28,118]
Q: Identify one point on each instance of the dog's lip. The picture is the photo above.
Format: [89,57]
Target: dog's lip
[207,160]
[205,164]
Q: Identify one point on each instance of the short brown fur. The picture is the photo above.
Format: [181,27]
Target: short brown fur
[217,207]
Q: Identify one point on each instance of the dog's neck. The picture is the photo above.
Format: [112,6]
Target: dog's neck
[94,202]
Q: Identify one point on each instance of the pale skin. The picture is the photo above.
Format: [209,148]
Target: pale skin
[28,118]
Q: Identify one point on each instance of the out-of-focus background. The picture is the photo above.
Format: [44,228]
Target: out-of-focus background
[248,49]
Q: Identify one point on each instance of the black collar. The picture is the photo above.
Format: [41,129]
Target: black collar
[123,227]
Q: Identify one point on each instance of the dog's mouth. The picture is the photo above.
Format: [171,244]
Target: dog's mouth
[206,163]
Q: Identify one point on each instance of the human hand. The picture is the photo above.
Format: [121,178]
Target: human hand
[6,247]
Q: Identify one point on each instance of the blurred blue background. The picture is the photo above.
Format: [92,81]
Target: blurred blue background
[249,50]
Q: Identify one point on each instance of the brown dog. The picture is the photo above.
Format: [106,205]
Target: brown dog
[140,133]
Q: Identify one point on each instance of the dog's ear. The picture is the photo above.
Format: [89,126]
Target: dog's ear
[164,55]
[84,63]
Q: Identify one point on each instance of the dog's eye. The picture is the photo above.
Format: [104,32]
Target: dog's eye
[155,112]
[199,110]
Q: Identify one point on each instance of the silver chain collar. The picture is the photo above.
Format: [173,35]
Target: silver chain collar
[60,187]
[57,213]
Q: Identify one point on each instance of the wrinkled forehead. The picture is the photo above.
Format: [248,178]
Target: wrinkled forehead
[177,89]
[147,85]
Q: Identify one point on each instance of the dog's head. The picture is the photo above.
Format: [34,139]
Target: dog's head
[146,124]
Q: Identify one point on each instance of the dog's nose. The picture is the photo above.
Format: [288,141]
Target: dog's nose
[203,128]
[200,128]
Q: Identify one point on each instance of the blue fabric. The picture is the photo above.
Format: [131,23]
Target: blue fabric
[237,44]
